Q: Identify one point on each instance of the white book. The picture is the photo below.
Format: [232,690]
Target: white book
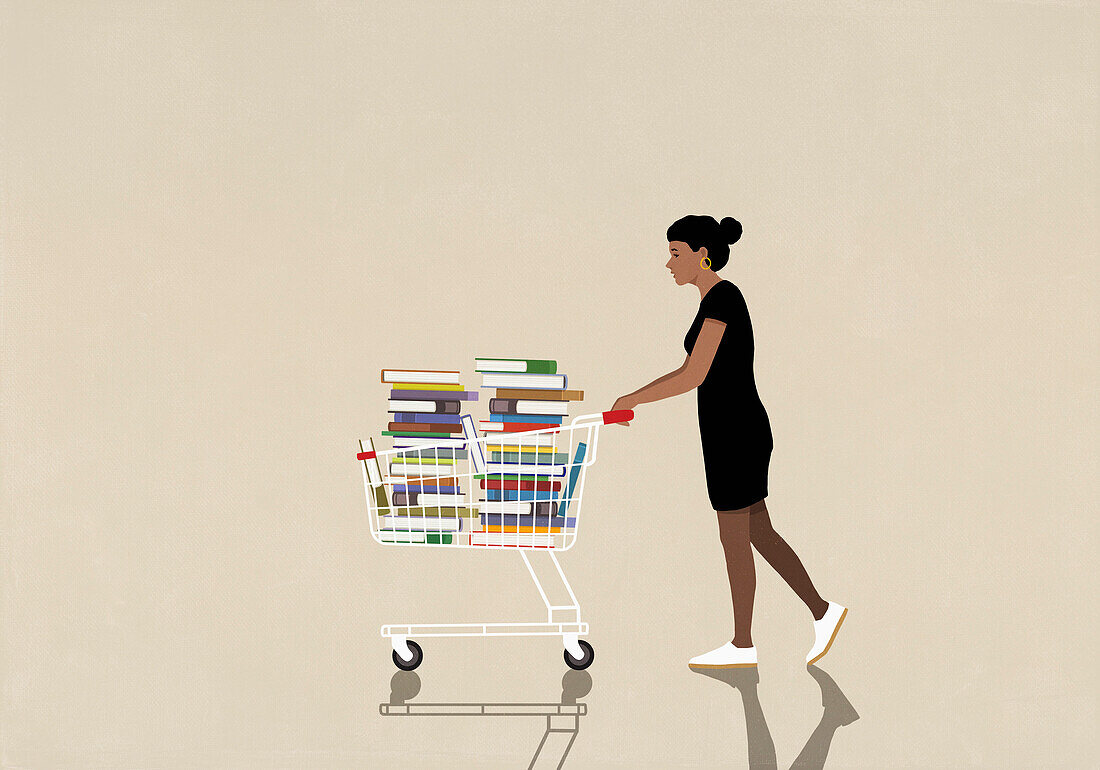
[426,523]
[402,405]
[428,500]
[524,468]
[540,442]
[534,539]
[557,408]
[537,381]
[518,507]
[422,469]
[403,537]
[499,365]
[414,375]
[409,441]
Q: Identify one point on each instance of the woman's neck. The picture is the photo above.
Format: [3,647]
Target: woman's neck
[705,282]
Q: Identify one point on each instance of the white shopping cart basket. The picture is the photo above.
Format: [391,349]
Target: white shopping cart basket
[503,490]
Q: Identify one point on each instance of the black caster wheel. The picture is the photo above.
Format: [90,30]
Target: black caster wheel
[575,664]
[409,665]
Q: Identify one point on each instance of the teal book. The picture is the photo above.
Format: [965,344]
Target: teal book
[574,474]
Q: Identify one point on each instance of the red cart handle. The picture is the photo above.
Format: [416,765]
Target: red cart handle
[618,415]
[366,455]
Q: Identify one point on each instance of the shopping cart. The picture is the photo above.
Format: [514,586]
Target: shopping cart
[519,491]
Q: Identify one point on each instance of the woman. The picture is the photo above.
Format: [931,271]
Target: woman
[735,433]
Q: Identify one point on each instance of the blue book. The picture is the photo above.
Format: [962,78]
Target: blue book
[574,474]
[546,419]
[407,488]
[424,417]
[526,520]
[520,494]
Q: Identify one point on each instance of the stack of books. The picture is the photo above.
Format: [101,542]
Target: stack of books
[523,502]
[428,504]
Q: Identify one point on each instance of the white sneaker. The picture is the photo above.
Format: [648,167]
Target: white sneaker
[825,631]
[726,656]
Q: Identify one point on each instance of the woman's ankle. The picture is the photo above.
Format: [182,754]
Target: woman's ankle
[819,610]
[742,643]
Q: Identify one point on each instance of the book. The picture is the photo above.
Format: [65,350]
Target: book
[515,508]
[514,482]
[431,481]
[425,417]
[541,395]
[421,434]
[404,536]
[374,476]
[534,381]
[437,511]
[505,528]
[405,392]
[425,427]
[502,477]
[442,489]
[419,458]
[574,474]
[490,426]
[543,419]
[518,494]
[431,440]
[431,498]
[441,453]
[514,520]
[520,365]
[430,407]
[414,523]
[527,406]
[528,457]
[426,376]
[538,442]
[420,469]
[524,468]
[512,539]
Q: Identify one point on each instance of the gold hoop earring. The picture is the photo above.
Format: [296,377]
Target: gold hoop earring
[705,263]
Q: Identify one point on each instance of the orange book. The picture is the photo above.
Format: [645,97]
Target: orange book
[517,528]
[541,395]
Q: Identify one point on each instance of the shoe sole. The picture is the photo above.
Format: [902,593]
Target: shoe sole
[725,665]
[832,638]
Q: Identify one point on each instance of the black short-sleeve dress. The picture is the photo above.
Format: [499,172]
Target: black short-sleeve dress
[734,428]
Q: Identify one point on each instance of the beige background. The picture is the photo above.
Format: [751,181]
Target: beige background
[219,221]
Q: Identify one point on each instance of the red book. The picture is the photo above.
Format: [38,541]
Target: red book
[514,484]
[514,427]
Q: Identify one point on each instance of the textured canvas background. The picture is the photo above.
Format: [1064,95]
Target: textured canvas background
[219,221]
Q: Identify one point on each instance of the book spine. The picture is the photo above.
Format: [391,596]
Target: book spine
[515,482]
[541,395]
[519,494]
[547,419]
[425,427]
[558,458]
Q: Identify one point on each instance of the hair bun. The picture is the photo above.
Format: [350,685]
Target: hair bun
[730,230]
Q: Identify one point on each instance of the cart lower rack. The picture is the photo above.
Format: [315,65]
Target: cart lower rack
[518,491]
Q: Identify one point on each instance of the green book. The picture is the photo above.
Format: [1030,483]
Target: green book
[535,458]
[516,365]
[442,511]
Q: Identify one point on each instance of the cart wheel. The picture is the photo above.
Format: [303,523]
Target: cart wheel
[409,665]
[585,661]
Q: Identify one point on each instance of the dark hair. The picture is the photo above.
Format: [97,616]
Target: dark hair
[699,231]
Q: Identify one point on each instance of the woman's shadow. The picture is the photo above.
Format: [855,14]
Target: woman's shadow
[838,711]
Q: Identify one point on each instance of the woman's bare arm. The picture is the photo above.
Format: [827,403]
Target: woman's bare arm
[687,377]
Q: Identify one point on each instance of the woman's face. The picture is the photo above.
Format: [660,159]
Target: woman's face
[684,263]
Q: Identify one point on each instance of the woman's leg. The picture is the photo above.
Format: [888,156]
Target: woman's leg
[783,558]
[733,528]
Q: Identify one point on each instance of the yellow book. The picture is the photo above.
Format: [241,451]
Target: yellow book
[514,448]
[424,386]
[514,528]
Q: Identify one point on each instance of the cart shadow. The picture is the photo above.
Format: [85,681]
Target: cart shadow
[838,711]
[562,715]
